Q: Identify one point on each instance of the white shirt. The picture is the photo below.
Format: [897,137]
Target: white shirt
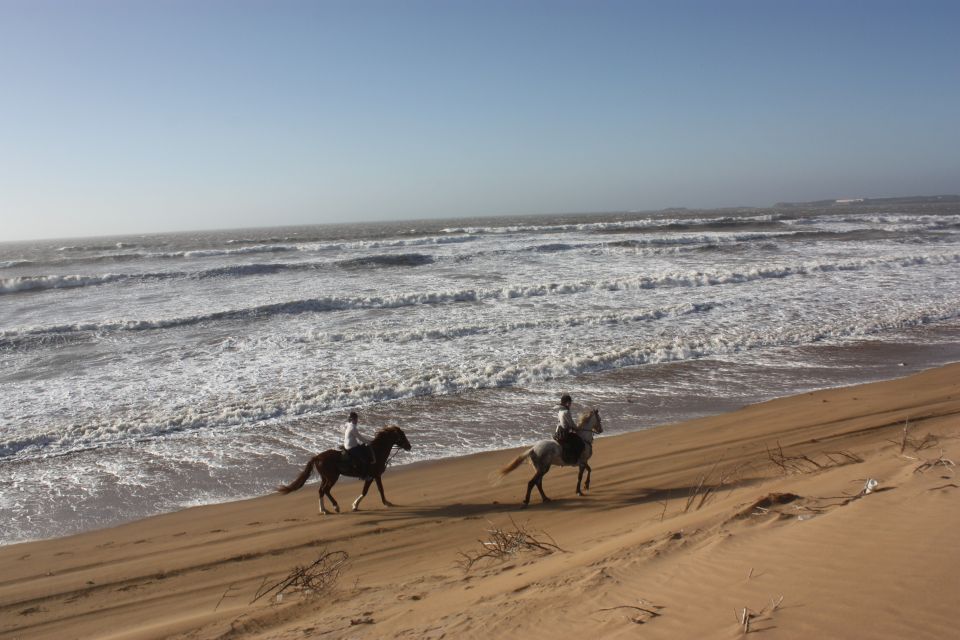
[352,436]
[565,420]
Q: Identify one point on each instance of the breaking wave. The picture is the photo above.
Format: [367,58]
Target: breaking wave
[318,396]
[387,260]
[336,303]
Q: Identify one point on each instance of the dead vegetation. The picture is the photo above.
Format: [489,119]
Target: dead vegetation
[940,461]
[907,442]
[788,464]
[502,544]
[762,506]
[317,577]
[746,616]
[643,614]
[701,492]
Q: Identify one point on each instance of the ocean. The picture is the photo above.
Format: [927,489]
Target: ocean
[144,374]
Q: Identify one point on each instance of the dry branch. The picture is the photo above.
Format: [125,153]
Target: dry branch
[225,595]
[705,491]
[788,464]
[906,441]
[746,615]
[651,611]
[939,462]
[316,577]
[505,543]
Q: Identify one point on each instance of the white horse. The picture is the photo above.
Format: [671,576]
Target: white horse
[547,453]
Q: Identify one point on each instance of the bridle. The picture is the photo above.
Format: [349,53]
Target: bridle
[395,448]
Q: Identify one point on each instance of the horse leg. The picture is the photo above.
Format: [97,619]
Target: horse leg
[336,507]
[534,482]
[383,498]
[580,478]
[323,508]
[366,487]
[543,496]
[589,470]
[328,478]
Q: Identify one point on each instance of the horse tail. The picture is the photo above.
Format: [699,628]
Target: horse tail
[516,462]
[302,478]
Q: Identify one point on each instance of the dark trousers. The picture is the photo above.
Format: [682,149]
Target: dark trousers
[360,458]
[573,445]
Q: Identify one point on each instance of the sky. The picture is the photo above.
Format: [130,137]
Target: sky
[131,116]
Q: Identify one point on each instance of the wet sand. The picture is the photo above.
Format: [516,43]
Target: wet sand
[684,528]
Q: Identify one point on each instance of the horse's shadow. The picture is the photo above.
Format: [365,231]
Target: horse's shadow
[599,500]
[465,511]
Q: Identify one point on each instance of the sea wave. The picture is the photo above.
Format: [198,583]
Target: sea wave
[386,260]
[32,283]
[35,283]
[22,284]
[14,264]
[318,397]
[615,226]
[516,291]
[454,332]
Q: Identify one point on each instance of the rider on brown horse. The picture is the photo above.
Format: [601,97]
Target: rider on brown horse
[566,433]
[355,444]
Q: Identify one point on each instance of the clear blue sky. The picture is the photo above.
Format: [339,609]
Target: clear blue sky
[129,116]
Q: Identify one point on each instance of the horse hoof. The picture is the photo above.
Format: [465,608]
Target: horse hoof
[389,504]
[524,505]
[336,509]
[547,500]
[324,513]
[579,493]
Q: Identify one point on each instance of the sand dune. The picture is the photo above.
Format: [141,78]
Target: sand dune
[685,527]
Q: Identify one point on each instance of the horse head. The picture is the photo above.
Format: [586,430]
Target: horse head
[591,421]
[395,436]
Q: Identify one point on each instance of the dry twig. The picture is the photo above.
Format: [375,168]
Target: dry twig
[746,615]
[650,613]
[705,491]
[805,464]
[315,577]
[503,544]
[906,441]
[939,462]
[224,596]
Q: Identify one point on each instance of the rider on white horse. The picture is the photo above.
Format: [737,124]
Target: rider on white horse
[566,433]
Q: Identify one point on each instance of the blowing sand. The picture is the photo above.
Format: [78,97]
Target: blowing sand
[706,529]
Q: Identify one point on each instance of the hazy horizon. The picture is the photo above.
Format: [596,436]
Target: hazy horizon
[134,117]
[493,216]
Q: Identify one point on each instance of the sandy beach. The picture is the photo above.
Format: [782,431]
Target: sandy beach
[752,521]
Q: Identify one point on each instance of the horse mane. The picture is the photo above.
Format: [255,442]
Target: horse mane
[584,417]
[387,430]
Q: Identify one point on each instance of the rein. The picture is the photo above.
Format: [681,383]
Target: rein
[394,450]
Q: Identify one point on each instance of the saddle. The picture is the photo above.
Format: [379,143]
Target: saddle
[571,446]
[347,465]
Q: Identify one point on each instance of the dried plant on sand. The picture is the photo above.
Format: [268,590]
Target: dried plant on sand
[506,543]
[941,461]
[788,464]
[906,441]
[316,577]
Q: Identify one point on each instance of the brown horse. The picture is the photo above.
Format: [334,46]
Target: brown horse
[328,465]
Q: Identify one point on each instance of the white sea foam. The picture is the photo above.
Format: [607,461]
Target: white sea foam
[322,397]
[242,355]
[34,283]
[340,303]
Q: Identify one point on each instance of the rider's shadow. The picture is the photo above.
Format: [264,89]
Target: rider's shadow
[465,510]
